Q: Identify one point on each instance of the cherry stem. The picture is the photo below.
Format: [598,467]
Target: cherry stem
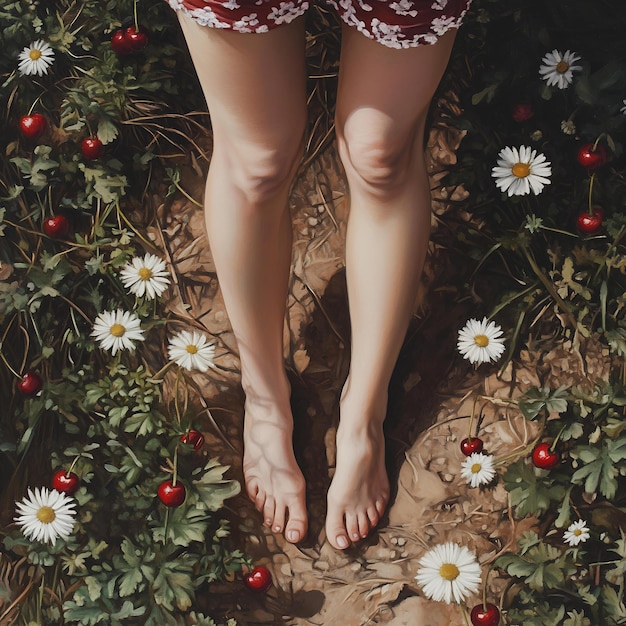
[71,467]
[135,16]
[597,141]
[174,476]
[471,419]
[32,106]
[590,204]
[556,439]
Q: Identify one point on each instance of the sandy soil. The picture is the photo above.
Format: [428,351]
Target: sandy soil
[432,394]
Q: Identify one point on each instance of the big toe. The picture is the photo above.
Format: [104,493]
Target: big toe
[297,525]
[336,531]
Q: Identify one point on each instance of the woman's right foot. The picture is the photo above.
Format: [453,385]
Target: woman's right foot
[274,481]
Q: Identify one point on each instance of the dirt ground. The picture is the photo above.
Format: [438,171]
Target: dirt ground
[432,394]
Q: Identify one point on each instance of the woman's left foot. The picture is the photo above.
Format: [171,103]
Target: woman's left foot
[359,492]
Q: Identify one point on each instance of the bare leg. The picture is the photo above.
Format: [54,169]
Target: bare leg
[382,105]
[255,90]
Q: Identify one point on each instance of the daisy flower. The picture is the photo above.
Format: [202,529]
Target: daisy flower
[557,68]
[45,515]
[117,330]
[520,170]
[480,342]
[623,108]
[36,58]
[448,573]
[576,533]
[190,350]
[145,276]
[477,469]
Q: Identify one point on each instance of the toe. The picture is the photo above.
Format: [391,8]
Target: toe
[381,505]
[373,516]
[269,511]
[279,517]
[352,526]
[297,524]
[364,524]
[336,531]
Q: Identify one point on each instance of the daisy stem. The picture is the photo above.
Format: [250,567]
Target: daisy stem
[167,522]
[464,615]
[156,378]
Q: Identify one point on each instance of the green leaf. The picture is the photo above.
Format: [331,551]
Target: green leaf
[107,131]
[538,399]
[212,488]
[184,526]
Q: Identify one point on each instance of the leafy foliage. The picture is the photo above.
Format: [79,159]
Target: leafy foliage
[129,558]
[544,276]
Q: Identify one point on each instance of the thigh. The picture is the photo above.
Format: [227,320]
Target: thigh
[384,93]
[254,84]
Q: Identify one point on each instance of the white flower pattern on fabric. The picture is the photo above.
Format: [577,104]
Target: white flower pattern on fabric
[397,24]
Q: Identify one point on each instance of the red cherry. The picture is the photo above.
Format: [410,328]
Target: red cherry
[259,579]
[193,438]
[544,458]
[470,445]
[171,494]
[487,615]
[66,483]
[522,112]
[137,38]
[590,157]
[92,148]
[30,383]
[33,126]
[120,43]
[590,223]
[56,226]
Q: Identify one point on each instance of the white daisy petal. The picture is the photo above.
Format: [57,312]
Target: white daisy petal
[117,330]
[478,469]
[558,68]
[480,342]
[576,533]
[518,171]
[190,350]
[35,58]
[46,515]
[145,276]
[449,573]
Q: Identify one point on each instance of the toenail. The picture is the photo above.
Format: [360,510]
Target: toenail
[293,535]
[276,529]
[342,541]
[268,522]
[355,535]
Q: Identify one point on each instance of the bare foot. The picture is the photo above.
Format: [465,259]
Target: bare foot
[274,481]
[359,491]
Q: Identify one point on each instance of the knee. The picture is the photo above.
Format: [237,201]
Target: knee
[382,160]
[259,174]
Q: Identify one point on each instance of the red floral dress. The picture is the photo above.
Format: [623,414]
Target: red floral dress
[396,24]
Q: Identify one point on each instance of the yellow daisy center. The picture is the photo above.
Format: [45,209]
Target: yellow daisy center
[577,532]
[145,273]
[191,349]
[482,341]
[46,514]
[521,170]
[449,571]
[562,67]
[476,468]
[117,330]
[34,54]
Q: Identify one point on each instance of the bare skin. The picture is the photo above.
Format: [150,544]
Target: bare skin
[380,118]
[255,90]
